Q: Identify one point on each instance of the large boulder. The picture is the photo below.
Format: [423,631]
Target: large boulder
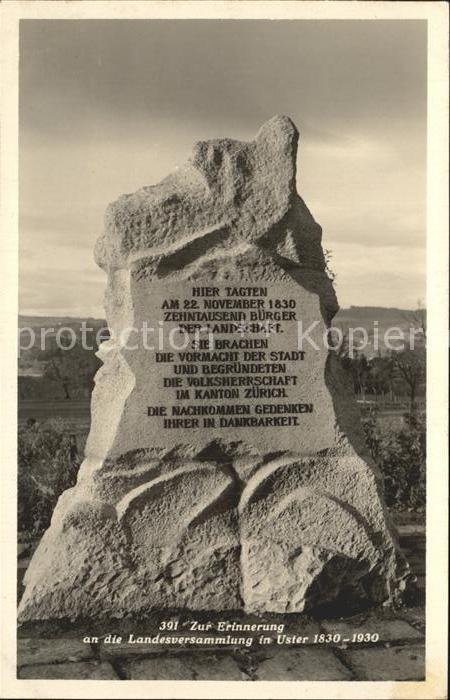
[225,467]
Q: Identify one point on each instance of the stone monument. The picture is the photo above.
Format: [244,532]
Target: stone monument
[225,467]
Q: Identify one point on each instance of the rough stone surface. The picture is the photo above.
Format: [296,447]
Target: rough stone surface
[85,670]
[394,664]
[186,667]
[41,651]
[265,520]
[306,664]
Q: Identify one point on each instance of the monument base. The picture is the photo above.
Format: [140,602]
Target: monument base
[282,534]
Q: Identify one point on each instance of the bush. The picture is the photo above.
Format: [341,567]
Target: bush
[401,457]
[47,465]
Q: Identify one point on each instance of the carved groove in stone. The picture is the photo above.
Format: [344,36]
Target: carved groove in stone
[127,501]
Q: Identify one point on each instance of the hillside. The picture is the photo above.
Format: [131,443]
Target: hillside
[45,372]
[362,315]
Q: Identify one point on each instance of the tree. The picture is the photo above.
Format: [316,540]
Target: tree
[381,375]
[401,457]
[411,366]
[359,368]
[70,368]
[353,361]
[418,320]
[56,369]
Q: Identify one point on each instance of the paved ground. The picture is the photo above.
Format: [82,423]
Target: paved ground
[398,653]
[62,651]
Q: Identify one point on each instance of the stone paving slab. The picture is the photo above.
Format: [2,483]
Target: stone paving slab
[134,651]
[405,663]
[389,630]
[185,667]
[54,629]
[83,670]
[125,651]
[304,664]
[42,651]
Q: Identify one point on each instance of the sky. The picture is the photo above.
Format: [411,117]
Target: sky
[109,106]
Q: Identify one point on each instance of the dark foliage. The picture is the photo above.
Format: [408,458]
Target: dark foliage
[48,464]
[401,457]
